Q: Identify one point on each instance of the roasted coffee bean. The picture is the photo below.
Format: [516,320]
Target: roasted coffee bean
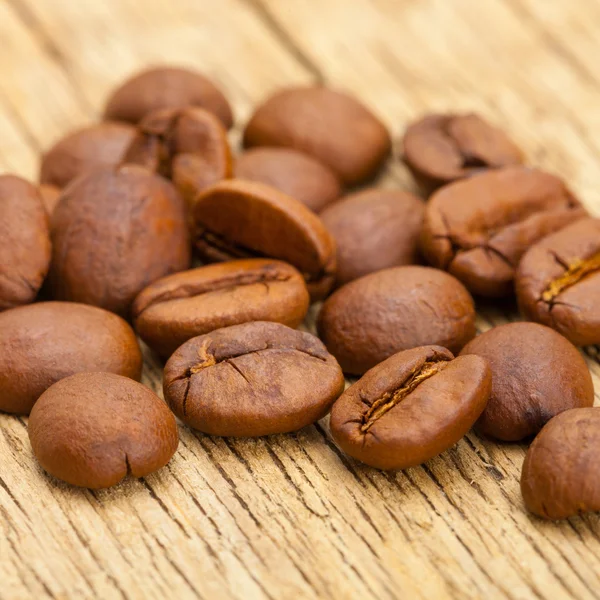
[558,282]
[24,242]
[43,343]
[252,379]
[245,219]
[537,374]
[439,149]
[479,228]
[371,318]
[374,229]
[94,429]
[561,473]
[114,231]
[188,146]
[331,126]
[292,172]
[166,87]
[178,307]
[93,147]
[411,407]
[50,196]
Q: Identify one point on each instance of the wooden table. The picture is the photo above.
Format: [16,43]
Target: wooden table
[290,516]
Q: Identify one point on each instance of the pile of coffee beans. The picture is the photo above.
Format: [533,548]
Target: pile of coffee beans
[147,225]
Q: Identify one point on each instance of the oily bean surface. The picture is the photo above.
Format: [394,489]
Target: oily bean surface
[251,380]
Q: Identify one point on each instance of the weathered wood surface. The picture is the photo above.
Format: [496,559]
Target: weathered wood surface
[290,516]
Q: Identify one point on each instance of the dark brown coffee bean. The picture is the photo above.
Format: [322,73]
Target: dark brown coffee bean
[443,148]
[188,146]
[94,429]
[331,126]
[561,472]
[245,219]
[166,87]
[374,229]
[252,379]
[43,343]
[558,282]
[114,231]
[479,228]
[411,407]
[371,318]
[178,307]
[537,374]
[24,242]
[93,147]
[50,196]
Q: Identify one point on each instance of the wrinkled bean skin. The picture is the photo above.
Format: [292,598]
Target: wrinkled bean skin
[25,248]
[166,87]
[537,374]
[561,472]
[93,429]
[331,126]
[178,307]
[373,230]
[558,282]
[115,231]
[251,380]
[292,172]
[479,228]
[371,318]
[245,219]
[411,407]
[43,343]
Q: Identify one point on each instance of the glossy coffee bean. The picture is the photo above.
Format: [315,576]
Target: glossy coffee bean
[558,282]
[166,87]
[479,228]
[178,307]
[292,172]
[93,429]
[251,380]
[93,147]
[24,242]
[411,407]
[43,343]
[371,318]
[537,374]
[114,231]
[373,230]
[245,219]
[561,473]
[332,126]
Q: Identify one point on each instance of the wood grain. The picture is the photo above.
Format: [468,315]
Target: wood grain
[291,516]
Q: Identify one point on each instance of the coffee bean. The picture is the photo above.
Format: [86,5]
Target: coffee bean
[188,146]
[443,148]
[245,219]
[537,374]
[558,282]
[114,231]
[178,307]
[93,147]
[371,318]
[43,343]
[24,242]
[94,429]
[166,87]
[292,172]
[479,228]
[411,407]
[331,126]
[561,476]
[374,229]
[252,379]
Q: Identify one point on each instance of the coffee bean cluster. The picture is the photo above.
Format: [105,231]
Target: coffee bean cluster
[147,224]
